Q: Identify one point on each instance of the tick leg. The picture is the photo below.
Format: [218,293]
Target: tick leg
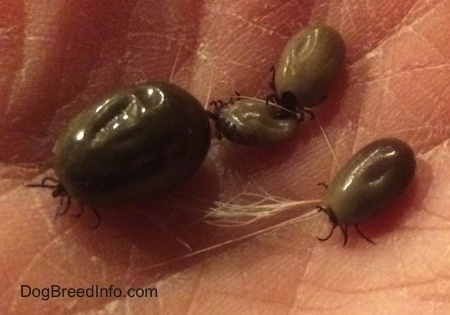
[218,105]
[215,105]
[218,127]
[364,236]
[43,183]
[49,179]
[272,98]
[211,115]
[320,209]
[234,98]
[309,112]
[62,209]
[97,215]
[67,207]
[329,235]
[323,184]
[344,229]
[272,81]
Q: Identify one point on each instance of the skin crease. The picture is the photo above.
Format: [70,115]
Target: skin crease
[395,83]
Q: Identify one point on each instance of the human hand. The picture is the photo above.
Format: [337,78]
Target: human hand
[59,57]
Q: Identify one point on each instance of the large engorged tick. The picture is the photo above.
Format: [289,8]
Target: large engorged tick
[252,122]
[371,179]
[309,63]
[133,143]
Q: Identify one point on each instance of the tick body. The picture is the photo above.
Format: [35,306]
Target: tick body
[135,142]
[370,180]
[253,123]
[309,63]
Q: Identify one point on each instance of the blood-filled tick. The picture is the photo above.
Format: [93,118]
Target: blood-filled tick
[252,122]
[132,143]
[371,179]
[309,63]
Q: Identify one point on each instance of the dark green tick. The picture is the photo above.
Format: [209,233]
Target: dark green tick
[252,122]
[371,180]
[133,143]
[309,63]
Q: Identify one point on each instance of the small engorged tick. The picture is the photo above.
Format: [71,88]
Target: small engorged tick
[252,122]
[133,143]
[370,180]
[309,63]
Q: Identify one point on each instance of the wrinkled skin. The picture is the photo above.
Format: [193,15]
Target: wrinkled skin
[59,55]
